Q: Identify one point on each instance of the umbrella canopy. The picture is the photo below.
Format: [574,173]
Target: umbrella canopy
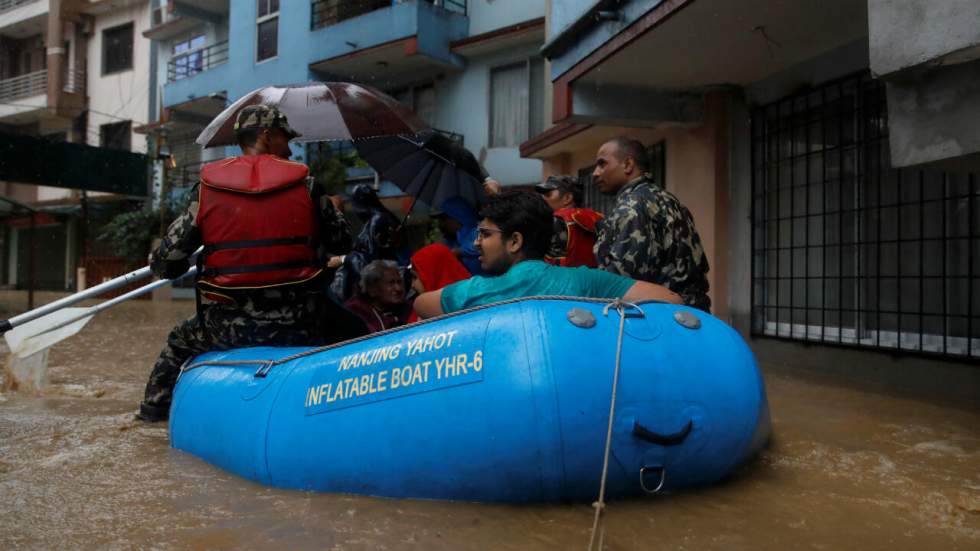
[321,111]
[429,167]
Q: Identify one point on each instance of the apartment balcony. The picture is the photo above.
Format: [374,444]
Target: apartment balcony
[22,18]
[386,43]
[24,98]
[325,13]
[178,17]
[191,63]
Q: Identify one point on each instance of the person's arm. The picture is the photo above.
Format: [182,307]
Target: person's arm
[642,290]
[491,186]
[172,257]
[429,304]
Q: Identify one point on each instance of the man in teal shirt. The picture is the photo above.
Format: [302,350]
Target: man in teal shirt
[512,240]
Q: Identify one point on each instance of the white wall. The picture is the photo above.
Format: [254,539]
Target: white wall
[464,107]
[488,15]
[124,95]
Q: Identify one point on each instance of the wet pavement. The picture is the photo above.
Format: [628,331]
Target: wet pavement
[848,469]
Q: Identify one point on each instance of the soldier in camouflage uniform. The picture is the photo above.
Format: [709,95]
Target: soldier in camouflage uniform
[286,315]
[649,235]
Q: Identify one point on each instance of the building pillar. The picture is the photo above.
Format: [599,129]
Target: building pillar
[55,44]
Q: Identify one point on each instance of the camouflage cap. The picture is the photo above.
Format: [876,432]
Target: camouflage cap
[263,116]
[564,183]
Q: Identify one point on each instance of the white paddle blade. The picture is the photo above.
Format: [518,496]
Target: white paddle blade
[39,334]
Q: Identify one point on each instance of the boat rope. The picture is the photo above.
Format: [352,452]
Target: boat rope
[598,521]
[266,365]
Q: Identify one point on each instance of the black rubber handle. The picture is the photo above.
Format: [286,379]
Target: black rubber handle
[644,433]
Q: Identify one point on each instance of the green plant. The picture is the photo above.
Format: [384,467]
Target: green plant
[328,165]
[131,233]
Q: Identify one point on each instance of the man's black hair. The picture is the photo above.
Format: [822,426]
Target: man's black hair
[525,212]
[628,147]
[248,137]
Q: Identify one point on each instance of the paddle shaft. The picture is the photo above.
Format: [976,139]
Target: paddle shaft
[122,298]
[121,281]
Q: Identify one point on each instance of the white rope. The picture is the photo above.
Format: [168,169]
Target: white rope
[598,524]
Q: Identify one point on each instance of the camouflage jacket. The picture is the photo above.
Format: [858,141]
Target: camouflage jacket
[172,257]
[650,236]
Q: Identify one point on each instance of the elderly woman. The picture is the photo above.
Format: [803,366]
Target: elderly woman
[380,300]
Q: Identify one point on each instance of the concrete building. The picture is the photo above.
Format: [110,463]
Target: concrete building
[829,156]
[452,61]
[69,73]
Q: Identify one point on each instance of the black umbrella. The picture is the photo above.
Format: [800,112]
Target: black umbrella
[429,166]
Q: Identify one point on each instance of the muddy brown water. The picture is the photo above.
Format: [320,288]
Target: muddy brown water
[848,469]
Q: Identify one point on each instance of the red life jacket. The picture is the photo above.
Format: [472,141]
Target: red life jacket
[581,237]
[257,222]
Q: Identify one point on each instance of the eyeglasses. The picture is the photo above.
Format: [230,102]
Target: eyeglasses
[485,233]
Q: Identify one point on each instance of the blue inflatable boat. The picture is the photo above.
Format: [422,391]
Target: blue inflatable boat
[505,403]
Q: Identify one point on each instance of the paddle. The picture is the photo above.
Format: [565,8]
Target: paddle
[121,281]
[41,333]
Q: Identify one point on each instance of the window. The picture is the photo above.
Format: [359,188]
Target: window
[117,49]
[516,103]
[267,30]
[115,136]
[848,250]
[421,99]
[188,57]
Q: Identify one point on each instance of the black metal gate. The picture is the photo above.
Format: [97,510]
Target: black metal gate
[848,250]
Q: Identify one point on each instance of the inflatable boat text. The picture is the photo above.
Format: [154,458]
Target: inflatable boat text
[409,367]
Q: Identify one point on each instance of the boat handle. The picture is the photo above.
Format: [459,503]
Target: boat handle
[660,485]
[644,433]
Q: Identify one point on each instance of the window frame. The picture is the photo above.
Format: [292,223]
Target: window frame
[261,18]
[528,64]
[189,40]
[105,48]
[104,130]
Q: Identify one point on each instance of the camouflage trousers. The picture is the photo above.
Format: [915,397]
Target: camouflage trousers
[225,327]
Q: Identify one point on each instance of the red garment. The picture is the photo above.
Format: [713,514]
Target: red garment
[377,319]
[257,222]
[581,225]
[437,267]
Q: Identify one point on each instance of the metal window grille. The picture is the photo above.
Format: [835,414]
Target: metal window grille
[848,250]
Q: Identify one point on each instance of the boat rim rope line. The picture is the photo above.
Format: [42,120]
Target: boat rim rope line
[598,520]
[266,365]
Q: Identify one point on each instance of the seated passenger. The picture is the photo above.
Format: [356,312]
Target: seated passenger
[512,239]
[433,267]
[380,300]
[457,223]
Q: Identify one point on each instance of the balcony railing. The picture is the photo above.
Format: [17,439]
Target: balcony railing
[330,12]
[74,81]
[29,84]
[191,63]
[7,5]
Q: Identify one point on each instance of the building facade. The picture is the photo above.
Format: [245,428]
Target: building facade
[470,68]
[825,153]
[72,86]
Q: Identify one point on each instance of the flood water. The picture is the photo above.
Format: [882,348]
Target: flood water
[848,469]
